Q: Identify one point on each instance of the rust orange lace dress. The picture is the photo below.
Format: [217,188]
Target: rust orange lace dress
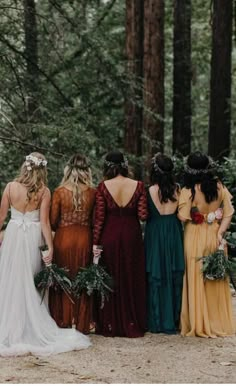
[72,249]
[118,230]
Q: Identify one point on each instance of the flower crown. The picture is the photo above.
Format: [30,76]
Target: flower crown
[31,160]
[157,167]
[193,171]
[124,164]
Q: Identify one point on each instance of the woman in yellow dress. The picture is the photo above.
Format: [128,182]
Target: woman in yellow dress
[206,209]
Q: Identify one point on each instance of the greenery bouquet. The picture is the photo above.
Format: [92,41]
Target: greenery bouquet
[217,266]
[231,241]
[53,276]
[93,279]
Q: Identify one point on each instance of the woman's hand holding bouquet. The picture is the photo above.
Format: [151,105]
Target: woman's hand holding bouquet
[97,250]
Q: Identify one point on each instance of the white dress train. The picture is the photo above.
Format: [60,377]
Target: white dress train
[25,324]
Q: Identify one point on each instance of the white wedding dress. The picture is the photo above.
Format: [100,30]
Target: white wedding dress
[25,324]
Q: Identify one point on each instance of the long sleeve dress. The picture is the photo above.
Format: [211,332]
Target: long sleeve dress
[118,230]
[72,249]
[206,305]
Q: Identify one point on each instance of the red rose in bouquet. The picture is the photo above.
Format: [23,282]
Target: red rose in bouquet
[196,216]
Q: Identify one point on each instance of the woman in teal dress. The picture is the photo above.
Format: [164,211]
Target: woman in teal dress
[164,249]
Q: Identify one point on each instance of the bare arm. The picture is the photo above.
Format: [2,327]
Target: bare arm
[181,218]
[225,223]
[45,224]
[228,211]
[4,205]
[55,211]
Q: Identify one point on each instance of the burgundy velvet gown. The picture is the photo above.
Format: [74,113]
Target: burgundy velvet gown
[118,230]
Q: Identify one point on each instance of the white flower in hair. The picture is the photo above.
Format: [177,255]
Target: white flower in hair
[31,159]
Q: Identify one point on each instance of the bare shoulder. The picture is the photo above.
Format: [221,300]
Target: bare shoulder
[133,182]
[45,191]
[14,185]
[153,188]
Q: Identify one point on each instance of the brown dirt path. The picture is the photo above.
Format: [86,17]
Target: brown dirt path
[152,359]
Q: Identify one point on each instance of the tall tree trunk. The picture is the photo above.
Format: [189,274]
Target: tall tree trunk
[133,107]
[182,77]
[220,110]
[31,54]
[153,68]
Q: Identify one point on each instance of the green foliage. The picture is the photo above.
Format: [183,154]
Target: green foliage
[83,83]
[93,280]
[55,277]
[217,267]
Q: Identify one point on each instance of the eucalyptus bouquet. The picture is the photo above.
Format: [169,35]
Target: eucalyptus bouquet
[93,279]
[52,276]
[217,266]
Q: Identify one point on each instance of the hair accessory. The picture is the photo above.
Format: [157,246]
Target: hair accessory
[156,167]
[72,166]
[193,171]
[124,163]
[33,160]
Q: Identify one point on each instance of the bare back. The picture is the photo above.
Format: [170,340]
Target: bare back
[164,208]
[17,196]
[121,189]
[200,202]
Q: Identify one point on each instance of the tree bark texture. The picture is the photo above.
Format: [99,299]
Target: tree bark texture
[182,77]
[134,100]
[31,55]
[220,92]
[153,69]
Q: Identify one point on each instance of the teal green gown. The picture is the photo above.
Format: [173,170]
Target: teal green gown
[165,268]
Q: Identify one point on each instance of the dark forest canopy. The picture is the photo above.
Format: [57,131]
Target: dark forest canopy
[91,75]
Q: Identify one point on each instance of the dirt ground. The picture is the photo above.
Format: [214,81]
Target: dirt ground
[156,358]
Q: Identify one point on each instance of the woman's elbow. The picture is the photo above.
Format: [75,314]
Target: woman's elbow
[181,218]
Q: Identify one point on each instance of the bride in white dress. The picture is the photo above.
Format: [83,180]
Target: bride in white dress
[26,326]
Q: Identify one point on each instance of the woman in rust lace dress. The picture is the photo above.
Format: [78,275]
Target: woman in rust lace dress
[120,204]
[71,219]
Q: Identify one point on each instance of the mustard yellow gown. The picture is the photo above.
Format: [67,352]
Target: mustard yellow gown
[206,305]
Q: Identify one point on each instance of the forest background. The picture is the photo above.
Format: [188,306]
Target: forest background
[138,75]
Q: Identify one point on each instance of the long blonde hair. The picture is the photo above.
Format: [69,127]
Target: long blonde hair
[33,174]
[77,171]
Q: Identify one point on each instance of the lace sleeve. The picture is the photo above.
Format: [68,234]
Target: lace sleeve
[55,210]
[142,204]
[99,216]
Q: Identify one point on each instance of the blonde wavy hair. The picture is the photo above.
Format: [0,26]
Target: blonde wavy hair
[33,174]
[76,172]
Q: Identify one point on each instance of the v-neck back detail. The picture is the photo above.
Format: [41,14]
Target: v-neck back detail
[156,208]
[130,200]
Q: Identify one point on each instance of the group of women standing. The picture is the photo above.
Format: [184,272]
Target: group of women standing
[157,289]
[155,286]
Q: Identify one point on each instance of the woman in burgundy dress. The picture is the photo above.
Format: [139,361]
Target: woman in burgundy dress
[71,219]
[120,204]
